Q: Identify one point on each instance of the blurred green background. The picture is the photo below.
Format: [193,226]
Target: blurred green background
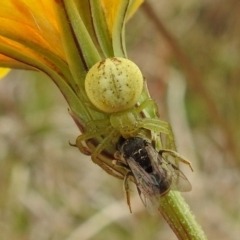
[48,190]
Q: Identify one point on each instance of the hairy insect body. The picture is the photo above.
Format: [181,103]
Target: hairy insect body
[136,149]
[154,175]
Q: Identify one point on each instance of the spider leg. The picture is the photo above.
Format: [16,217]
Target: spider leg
[108,170]
[92,129]
[96,124]
[86,136]
[177,157]
[111,136]
[146,103]
[120,164]
[157,125]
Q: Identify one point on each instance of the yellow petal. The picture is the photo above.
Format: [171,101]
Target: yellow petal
[4,72]
[133,7]
[111,7]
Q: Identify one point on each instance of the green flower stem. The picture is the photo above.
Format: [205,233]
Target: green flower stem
[88,48]
[179,217]
[80,50]
[118,34]
[85,11]
[77,64]
[101,28]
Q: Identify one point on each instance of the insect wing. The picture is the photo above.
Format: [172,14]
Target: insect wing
[147,186]
[152,203]
[173,174]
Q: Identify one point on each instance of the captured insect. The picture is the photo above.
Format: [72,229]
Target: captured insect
[153,172]
[114,87]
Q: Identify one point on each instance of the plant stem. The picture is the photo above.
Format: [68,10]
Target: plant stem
[179,217]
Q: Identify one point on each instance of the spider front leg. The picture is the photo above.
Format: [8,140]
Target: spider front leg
[156,125]
[86,136]
[112,136]
[148,102]
[93,129]
[94,154]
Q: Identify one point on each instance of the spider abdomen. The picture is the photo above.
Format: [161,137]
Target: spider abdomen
[114,84]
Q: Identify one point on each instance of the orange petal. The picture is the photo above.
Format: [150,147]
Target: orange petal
[31,23]
[7,62]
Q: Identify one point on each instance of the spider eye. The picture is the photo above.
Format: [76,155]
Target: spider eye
[114,84]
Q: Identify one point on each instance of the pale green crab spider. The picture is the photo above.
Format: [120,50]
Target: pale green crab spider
[114,87]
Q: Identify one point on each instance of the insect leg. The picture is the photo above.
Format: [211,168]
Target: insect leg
[103,162]
[120,164]
[127,189]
